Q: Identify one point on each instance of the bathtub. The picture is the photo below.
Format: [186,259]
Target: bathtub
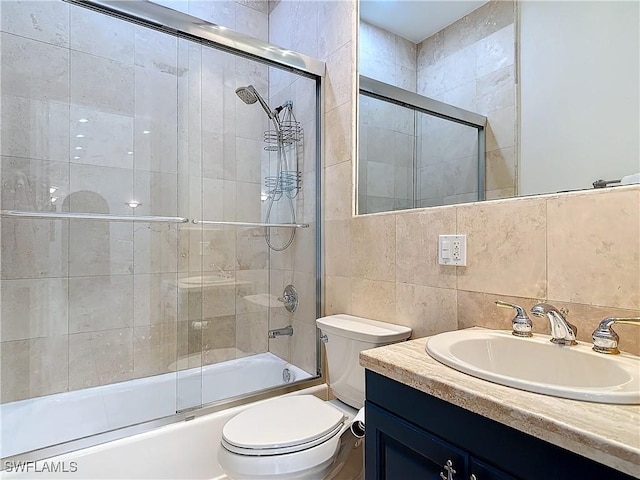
[39,422]
[184,450]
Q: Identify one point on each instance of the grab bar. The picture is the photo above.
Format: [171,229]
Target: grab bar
[251,224]
[93,216]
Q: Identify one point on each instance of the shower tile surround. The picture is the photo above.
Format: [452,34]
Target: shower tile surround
[127,315]
[468,64]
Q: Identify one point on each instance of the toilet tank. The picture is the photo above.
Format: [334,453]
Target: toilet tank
[346,337]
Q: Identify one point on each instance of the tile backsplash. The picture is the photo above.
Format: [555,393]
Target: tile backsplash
[576,250]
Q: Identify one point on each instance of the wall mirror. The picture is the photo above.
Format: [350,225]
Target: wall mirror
[560,93]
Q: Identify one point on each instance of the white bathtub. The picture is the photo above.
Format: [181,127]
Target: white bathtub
[184,450]
[39,422]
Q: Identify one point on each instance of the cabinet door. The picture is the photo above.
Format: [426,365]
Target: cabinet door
[481,471]
[395,449]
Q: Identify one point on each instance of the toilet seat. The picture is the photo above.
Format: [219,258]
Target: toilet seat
[281,426]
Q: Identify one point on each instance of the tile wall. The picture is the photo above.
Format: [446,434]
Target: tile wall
[387,131]
[469,64]
[579,250]
[97,112]
[387,149]
[321,30]
[387,57]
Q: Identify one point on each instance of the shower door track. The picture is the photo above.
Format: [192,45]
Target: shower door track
[92,216]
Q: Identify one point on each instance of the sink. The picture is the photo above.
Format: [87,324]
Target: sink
[202,281]
[206,280]
[537,365]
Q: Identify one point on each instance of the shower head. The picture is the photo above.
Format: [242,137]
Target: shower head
[250,95]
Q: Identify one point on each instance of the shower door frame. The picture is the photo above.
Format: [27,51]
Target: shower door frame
[173,22]
[385,92]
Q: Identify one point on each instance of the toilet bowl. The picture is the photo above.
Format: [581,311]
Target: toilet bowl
[298,436]
[287,437]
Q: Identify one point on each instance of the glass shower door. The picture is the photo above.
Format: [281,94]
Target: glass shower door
[230,281]
[137,279]
[89,285]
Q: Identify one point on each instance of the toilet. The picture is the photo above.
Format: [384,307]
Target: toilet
[298,436]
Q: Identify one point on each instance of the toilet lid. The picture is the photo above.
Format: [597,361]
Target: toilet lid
[282,425]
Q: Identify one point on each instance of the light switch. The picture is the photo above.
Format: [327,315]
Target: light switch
[446,249]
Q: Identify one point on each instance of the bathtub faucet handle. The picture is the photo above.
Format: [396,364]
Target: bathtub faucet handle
[289,298]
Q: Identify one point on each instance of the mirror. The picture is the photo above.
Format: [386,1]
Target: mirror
[561,117]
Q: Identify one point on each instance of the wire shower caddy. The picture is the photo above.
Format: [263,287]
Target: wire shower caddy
[285,139]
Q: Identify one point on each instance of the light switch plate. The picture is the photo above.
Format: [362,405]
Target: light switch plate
[452,250]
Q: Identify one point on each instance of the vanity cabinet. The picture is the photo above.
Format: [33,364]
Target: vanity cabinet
[405,451]
[413,435]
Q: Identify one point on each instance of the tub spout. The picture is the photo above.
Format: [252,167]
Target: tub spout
[288,330]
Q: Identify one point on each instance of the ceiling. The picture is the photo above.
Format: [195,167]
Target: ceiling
[415,20]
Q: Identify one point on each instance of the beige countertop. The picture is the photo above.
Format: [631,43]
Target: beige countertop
[609,434]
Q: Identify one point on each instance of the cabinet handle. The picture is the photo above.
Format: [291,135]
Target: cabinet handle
[450,471]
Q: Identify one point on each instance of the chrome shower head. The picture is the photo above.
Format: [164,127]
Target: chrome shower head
[247,94]
[250,95]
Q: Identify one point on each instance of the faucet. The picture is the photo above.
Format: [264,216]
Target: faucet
[562,332]
[288,330]
[521,324]
[605,339]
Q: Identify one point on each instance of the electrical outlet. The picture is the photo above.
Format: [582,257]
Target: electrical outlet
[452,250]
[455,251]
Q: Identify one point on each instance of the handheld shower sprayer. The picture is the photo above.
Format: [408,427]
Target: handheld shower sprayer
[250,95]
[283,139]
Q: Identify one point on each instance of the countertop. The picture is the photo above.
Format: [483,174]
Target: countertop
[608,434]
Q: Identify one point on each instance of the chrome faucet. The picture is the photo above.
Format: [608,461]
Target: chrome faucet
[521,324]
[562,332]
[605,339]
[288,330]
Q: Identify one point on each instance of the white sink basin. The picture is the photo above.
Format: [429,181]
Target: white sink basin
[537,365]
[203,281]
[206,280]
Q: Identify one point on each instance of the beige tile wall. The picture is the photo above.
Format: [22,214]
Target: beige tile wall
[91,303]
[321,29]
[386,131]
[387,57]
[469,64]
[575,250]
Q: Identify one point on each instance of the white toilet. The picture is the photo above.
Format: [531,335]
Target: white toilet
[298,436]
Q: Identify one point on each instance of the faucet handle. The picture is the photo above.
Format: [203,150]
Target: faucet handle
[521,323]
[605,339]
